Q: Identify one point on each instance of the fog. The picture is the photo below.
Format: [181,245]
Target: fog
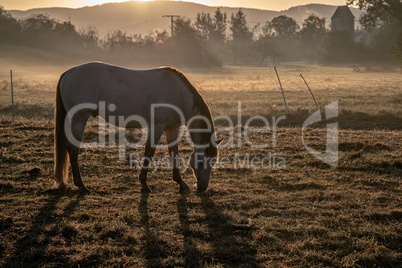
[209,41]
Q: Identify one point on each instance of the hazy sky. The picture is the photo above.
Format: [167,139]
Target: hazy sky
[263,4]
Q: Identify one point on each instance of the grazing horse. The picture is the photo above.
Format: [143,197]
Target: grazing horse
[133,94]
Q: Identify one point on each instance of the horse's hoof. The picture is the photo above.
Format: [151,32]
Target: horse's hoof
[59,186]
[56,191]
[146,191]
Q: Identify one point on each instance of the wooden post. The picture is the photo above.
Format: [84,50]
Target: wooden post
[171,21]
[310,91]
[12,94]
[283,94]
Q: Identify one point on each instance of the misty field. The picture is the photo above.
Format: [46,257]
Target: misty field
[301,212]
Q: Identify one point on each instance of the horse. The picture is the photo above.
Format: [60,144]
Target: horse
[133,93]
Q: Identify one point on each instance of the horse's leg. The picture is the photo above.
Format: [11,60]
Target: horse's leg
[172,136]
[77,130]
[150,148]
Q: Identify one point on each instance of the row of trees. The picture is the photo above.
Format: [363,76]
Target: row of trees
[282,38]
[234,41]
[208,41]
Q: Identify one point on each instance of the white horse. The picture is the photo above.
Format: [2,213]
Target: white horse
[133,93]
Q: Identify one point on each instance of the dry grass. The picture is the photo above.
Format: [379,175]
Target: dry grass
[365,99]
[345,216]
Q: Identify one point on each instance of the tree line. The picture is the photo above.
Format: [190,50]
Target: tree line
[210,40]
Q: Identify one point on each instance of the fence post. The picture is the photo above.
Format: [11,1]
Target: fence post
[12,93]
[283,94]
[310,91]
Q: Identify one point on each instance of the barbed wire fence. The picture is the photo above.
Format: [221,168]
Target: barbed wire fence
[10,82]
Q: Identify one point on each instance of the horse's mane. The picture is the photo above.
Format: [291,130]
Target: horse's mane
[198,99]
[201,105]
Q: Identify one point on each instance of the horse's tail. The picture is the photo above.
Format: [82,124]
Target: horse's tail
[60,140]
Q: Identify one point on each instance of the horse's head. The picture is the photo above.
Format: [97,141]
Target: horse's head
[202,161]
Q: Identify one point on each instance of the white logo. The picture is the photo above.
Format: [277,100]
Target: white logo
[330,156]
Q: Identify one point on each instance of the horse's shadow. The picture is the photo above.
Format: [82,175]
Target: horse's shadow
[231,247]
[30,249]
[191,253]
[153,249]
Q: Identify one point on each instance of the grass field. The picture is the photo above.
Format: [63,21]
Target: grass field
[304,213]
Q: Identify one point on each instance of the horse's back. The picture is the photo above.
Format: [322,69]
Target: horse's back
[132,92]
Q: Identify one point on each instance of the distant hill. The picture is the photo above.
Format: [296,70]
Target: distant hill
[136,17]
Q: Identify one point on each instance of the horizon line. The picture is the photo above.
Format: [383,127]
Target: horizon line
[145,2]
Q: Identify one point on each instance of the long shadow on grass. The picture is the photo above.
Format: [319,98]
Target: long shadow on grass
[347,120]
[31,250]
[192,256]
[383,168]
[154,253]
[231,247]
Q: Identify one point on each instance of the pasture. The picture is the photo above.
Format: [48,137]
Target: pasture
[302,212]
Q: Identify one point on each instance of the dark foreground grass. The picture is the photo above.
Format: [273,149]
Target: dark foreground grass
[304,213]
[345,216]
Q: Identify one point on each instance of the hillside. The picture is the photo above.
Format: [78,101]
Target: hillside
[144,17]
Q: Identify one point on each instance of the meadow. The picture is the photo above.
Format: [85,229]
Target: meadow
[300,213]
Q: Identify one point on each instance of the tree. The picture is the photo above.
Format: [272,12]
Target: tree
[312,35]
[10,29]
[313,29]
[183,29]
[283,33]
[118,40]
[90,37]
[266,47]
[204,25]
[282,26]
[66,36]
[239,27]
[212,29]
[218,34]
[191,48]
[379,9]
[160,37]
[242,36]
[38,30]
[383,14]
[339,48]
[43,32]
